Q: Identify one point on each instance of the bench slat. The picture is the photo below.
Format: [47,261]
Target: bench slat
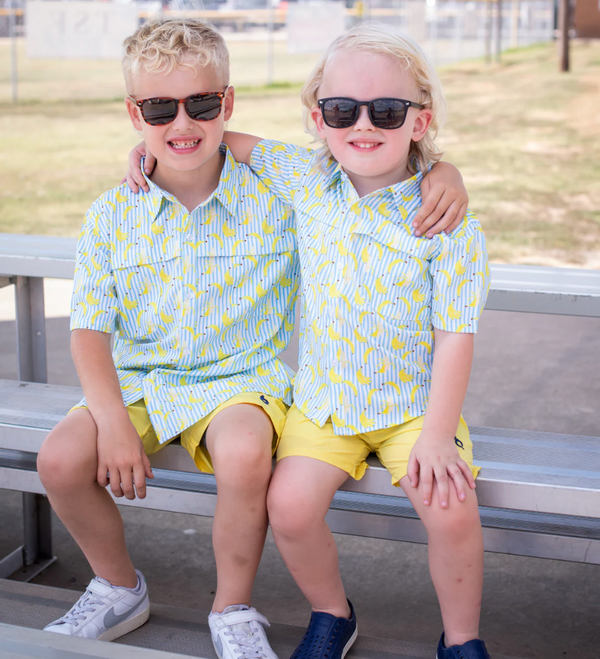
[521,470]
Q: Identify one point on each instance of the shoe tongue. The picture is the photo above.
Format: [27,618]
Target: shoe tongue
[100,586]
[236,607]
[240,627]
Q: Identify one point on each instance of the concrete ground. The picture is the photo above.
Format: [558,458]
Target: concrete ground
[531,372]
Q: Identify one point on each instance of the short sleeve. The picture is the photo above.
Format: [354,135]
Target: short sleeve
[280,167]
[94,302]
[461,278]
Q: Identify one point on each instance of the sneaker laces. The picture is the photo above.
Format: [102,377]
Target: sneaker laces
[87,603]
[245,635]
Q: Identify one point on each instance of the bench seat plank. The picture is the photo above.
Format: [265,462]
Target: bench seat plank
[521,470]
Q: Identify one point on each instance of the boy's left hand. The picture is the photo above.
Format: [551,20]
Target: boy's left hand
[434,457]
[445,201]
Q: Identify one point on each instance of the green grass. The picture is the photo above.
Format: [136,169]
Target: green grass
[526,138]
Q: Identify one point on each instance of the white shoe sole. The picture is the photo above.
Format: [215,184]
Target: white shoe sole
[350,643]
[127,626]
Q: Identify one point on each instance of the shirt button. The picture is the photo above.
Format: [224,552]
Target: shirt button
[190,237]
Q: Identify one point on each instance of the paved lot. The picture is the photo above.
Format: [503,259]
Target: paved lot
[534,372]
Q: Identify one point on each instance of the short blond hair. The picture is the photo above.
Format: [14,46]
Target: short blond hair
[377,38]
[164,44]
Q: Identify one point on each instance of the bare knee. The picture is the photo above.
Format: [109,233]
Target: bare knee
[455,524]
[292,513]
[243,462]
[67,458]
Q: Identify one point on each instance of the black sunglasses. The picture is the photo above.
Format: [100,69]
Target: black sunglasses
[200,107]
[386,113]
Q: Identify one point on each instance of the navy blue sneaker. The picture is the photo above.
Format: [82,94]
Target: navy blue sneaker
[474,649]
[327,637]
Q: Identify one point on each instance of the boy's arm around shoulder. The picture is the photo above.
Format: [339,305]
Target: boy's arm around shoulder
[93,318]
[445,201]
[241,145]
[278,165]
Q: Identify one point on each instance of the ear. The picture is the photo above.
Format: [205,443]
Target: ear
[317,117]
[134,113]
[421,125]
[228,103]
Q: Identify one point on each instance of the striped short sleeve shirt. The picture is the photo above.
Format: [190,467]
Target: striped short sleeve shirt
[372,293]
[200,304]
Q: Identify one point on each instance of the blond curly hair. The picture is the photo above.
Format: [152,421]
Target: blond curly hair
[164,44]
[377,38]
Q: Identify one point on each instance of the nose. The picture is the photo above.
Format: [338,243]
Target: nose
[363,122]
[182,122]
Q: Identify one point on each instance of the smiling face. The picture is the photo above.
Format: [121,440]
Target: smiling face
[372,157]
[184,145]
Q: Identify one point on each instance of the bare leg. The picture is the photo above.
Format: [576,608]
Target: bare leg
[67,465]
[455,560]
[298,500]
[239,440]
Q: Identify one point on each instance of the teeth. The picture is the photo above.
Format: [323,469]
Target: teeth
[184,145]
[363,145]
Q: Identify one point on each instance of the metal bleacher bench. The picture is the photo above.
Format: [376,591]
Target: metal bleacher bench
[536,498]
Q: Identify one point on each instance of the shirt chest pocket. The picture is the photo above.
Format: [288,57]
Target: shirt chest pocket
[148,283]
[392,275]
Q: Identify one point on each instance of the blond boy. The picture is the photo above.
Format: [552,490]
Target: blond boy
[387,332]
[196,280]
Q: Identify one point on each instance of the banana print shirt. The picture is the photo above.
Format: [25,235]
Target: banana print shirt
[201,303]
[372,293]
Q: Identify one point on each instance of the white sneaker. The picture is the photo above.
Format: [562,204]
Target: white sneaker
[239,633]
[105,612]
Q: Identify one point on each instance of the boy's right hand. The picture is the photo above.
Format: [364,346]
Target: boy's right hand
[135,179]
[122,461]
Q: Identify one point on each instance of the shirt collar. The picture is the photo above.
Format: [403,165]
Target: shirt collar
[226,191]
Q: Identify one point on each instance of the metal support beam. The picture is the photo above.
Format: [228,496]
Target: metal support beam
[36,552]
[31,329]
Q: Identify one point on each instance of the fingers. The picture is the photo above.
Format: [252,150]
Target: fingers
[115,481]
[460,483]
[147,467]
[126,485]
[102,475]
[131,182]
[139,478]
[413,470]
[149,163]
[467,473]
[441,477]
[426,484]
[424,219]
[462,211]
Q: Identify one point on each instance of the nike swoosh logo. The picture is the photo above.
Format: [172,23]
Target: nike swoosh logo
[110,619]
[218,646]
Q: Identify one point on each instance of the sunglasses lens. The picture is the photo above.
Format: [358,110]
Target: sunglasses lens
[339,112]
[387,113]
[159,111]
[204,108]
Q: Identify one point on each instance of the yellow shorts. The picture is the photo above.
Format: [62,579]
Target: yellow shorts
[302,437]
[191,438]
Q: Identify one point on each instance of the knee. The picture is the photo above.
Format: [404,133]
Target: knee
[61,468]
[455,524]
[291,514]
[244,462]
